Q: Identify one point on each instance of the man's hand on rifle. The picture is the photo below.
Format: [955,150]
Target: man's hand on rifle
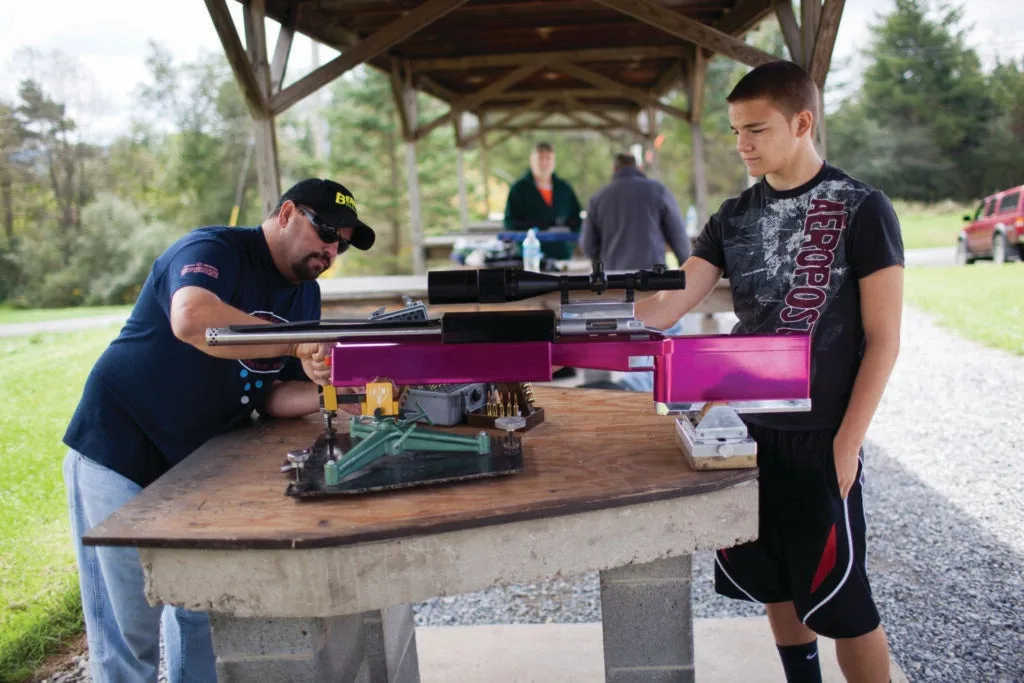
[316,361]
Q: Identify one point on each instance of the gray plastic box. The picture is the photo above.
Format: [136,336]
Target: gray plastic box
[446,404]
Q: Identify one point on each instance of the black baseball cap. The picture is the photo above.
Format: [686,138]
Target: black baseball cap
[334,205]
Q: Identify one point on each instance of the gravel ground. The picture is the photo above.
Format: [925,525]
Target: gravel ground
[945,498]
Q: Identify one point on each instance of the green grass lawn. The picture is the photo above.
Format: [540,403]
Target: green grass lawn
[930,226]
[31,315]
[980,302]
[41,379]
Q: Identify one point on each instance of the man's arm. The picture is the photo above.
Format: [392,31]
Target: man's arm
[673,227]
[664,309]
[194,309]
[881,306]
[291,399]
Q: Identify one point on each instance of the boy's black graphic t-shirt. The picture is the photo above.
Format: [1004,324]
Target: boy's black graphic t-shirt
[793,260]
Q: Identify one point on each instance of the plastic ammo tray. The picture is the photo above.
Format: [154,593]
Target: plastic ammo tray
[445,404]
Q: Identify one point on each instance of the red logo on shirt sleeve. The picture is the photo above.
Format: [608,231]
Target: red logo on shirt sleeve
[202,268]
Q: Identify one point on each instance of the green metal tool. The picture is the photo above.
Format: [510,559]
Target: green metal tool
[378,437]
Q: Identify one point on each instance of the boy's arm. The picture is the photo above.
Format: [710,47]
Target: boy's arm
[664,309]
[881,304]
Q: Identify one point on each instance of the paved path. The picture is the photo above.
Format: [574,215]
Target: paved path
[939,256]
[64,325]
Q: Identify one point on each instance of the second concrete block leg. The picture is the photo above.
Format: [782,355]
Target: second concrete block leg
[648,622]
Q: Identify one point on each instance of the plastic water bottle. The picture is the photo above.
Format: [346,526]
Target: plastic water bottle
[531,251]
[692,229]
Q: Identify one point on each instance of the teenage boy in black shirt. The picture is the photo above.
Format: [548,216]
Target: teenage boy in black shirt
[807,250]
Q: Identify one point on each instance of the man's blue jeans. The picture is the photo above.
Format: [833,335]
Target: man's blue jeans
[122,629]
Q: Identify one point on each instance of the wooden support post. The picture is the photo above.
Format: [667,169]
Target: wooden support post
[820,136]
[267,171]
[460,171]
[821,59]
[485,165]
[279,65]
[700,179]
[405,105]
[653,168]
[810,10]
[419,266]
[241,65]
[695,93]
[790,29]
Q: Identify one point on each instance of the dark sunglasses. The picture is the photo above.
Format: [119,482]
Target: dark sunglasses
[326,233]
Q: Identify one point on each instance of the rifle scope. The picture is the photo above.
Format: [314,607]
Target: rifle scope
[497,285]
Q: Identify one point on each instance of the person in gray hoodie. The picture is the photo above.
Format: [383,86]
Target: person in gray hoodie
[630,220]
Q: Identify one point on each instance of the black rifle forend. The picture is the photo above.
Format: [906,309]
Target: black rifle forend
[497,285]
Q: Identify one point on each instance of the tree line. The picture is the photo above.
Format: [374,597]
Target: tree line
[82,219]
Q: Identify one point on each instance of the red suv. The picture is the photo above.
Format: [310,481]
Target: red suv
[996,230]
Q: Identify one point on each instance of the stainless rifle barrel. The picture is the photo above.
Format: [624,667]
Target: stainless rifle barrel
[225,336]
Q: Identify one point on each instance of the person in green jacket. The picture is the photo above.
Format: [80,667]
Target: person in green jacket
[542,200]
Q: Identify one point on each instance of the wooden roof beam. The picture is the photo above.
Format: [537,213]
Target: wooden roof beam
[532,105]
[790,29]
[696,71]
[810,11]
[616,88]
[400,88]
[279,63]
[745,16]
[614,54]
[672,75]
[540,118]
[552,127]
[237,57]
[825,41]
[604,116]
[690,30]
[470,102]
[364,50]
[530,94]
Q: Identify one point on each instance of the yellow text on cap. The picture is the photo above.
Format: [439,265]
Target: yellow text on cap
[345,200]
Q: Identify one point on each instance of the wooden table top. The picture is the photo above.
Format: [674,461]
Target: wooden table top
[596,449]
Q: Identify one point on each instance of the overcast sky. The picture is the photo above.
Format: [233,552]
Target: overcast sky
[109,39]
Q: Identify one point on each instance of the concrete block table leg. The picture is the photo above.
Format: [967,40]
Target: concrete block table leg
[378,646]
[290,649]
[648,622]
[391,645]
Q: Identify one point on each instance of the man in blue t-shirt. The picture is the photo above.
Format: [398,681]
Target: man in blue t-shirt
[159,392]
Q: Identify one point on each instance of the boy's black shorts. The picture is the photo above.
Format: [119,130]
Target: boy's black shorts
[810,547]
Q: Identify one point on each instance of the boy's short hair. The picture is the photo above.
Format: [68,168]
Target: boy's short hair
[785,84]
[543,147]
